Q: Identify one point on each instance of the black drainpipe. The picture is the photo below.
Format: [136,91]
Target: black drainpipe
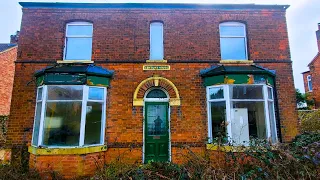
[276,104]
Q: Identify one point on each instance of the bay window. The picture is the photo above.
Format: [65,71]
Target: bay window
[69,116]
[240,113]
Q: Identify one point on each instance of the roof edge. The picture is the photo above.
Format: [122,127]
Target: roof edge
[305,72]
[318,54]
[149,5]
[9,49]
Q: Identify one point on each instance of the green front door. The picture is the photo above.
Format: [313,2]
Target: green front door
[156,132]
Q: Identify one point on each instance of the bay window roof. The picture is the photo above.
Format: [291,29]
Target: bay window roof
[73,69]
[222,70]
[74,75]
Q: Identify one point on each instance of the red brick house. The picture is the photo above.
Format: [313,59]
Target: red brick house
[8,55]
[311,78]
[97,80]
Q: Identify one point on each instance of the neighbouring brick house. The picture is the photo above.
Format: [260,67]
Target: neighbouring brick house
[311,78]
[95,81]
[8,55]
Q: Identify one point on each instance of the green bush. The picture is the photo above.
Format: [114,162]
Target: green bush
[258,161]
[297,160]
[9,172]
[310,121]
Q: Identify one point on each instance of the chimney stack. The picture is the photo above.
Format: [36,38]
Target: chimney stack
[318,36]
[14,38]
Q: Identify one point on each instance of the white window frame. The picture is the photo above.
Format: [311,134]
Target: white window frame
[228,100]
[235,24]
[150,56]
[70,36]
[309,81]
[85,100]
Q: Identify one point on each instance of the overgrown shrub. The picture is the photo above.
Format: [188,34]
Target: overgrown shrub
[307,146]
[9,172]
[258,161]
[310,121]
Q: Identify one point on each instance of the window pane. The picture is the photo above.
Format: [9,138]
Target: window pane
[218,117]
[36,124]
[233,48]
[78,49]
[96,93]
[93,123]
[64,92]
[39,95]
[246,92]
[272,123]
[216,93]
[270,93]
[232,30]
[156,93]
[156,120]
[156,41]
[74,30]
[62,124]
[310,85]
[248,120]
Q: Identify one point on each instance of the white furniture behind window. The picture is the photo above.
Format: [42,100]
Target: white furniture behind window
[238,113]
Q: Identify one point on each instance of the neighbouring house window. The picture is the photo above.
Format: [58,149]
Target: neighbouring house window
[239,113]
[309,80]
[156,41]
[69,115]
[233,41]
[78,42]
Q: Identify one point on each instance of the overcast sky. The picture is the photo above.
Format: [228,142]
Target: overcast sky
[303,17]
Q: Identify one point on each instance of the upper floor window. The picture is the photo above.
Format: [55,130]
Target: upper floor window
[233,41]
[309,82]
[78,43]
[156,41]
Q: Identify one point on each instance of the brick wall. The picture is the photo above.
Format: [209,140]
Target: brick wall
[315,74]
[305,81]
[7,59]
[124,35]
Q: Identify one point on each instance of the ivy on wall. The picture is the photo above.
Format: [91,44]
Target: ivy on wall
[3,128]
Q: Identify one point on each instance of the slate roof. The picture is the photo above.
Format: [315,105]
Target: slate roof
[74,69]
[149,5]
[221,69]
[4,47]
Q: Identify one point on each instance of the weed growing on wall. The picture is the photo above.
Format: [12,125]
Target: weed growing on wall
[3,128]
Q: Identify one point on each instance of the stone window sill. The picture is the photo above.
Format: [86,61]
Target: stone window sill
[66,151]
[156,61]
[75,62]
[236,62]
[214,147]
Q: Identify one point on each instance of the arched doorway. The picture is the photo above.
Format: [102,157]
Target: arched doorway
[156,125]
